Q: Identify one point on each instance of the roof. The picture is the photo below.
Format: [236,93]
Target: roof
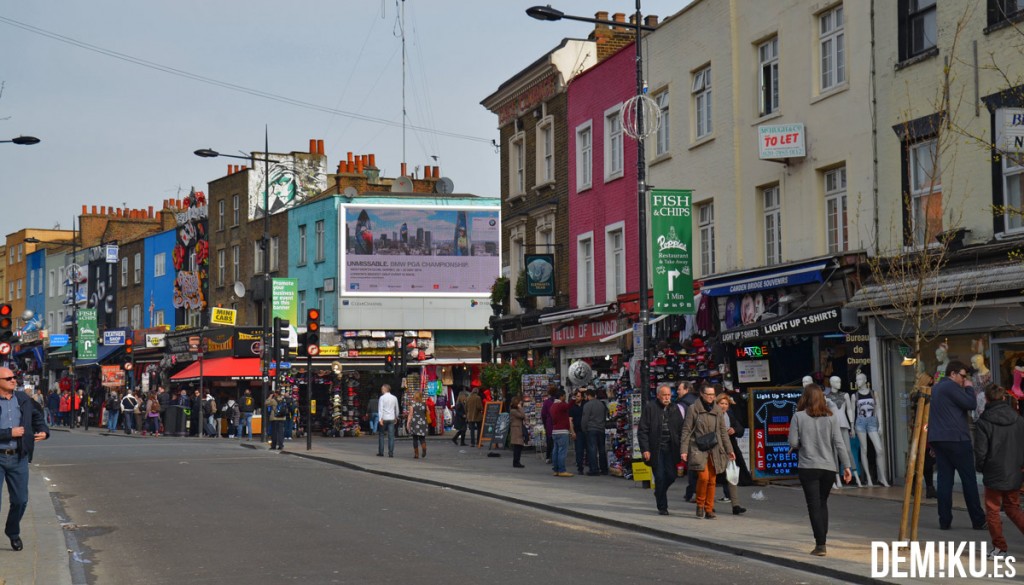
[951,285]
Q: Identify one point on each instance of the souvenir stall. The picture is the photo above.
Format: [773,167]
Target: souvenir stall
[534,388]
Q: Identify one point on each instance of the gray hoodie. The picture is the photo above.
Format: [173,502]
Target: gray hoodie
[816,439]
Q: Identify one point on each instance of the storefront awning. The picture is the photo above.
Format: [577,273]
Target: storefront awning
[950,286]
[766,279]
[102,353]
[809,322]
[222,367]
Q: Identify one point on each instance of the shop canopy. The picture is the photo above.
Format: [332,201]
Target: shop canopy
[102,353]
[222,367]
[767,278]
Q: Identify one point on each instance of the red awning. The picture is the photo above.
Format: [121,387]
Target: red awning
[222,367]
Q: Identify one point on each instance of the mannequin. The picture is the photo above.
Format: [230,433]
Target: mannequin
[942,359]
[982,378]
[868,425]
[837,402]
[1018,373]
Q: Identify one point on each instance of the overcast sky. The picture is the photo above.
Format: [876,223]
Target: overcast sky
[115,132]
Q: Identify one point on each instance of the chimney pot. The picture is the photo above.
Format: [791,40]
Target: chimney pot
[359,164]
[94,210]
[312,146]
[373,161]
[651,20]
[437,172]
[151,217]
[619,17]
[350,157]
[319,146]
[83,209]
[229,169]
[404,170]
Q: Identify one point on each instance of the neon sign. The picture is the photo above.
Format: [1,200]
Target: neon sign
[752,351]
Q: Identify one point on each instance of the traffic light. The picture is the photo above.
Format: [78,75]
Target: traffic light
[313,330]
[281,333]
[389,363]
[5,323]
[129,346]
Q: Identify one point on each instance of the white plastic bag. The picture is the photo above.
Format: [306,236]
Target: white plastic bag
[732,473]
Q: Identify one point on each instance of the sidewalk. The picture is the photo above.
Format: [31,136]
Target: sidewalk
[44,561]
[774,530]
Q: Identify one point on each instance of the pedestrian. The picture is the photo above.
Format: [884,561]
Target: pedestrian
[246,407]
[576,420]
[545,418]
[459,421]
[659,434]
[388,410]
[594,414]
[52,407]
[371,412]
[129,404]
[209,410]
[113,408]
[139,414]
[22,424]
[277,409]
[561,433]
[164,398]
[416,425]
[64,409]
[706,447]
[474,414]
[516,430]
[953,397]
[816,437]
[196,406]
[686,394]
[231,414]
[735,428]
[999,456]
[152,415]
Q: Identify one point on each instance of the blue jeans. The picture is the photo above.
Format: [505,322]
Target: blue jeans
[129,422]
[15,473]
[112,420]
[245,424]
[389,430]
[959,456]
[581,450]
[559,451]
[288,427]
[664,471]
[374,421]
[597,456]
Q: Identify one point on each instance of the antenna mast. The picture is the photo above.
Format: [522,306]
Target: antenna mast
[404,113]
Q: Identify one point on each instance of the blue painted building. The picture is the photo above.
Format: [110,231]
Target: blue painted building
[158,283]
[313,256]
[35,301]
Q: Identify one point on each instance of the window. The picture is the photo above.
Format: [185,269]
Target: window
[1004,10]
[51,286]
[234,210]
[702,101]
[221,266]
[11,260]
[517,165]
[662,140]
[138,268]
[546,152]
[160,264]
[21,250]
[302,245]
[236,260]
[257,256]
[220,215]
[302,302]
[831,44]
[584,156]
[122,317]
[60,280]
[613,157]
[10,287]
[768,56]
[275,249]
[1013,195]
[836,234]
[31,283]
[925,192]
[615,262]
[917,27]
[158,318]
[50,323]
[320,300]
[124,272]
[136,317]
[585,270]
[20,287]
[319,227]
[772,225]
[40,287]
[706,229]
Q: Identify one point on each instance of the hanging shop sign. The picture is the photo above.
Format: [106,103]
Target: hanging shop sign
[780,141]
[221,316]
[87,334]
[585,332]
[540,275]
[671,258]
[114,336]
[804,323]
[771,411]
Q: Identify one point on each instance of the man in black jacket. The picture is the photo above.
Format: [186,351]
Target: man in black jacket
[21,424]
[999,456]
[659,433]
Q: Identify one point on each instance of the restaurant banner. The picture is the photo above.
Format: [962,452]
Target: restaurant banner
[88,336]
[671,258]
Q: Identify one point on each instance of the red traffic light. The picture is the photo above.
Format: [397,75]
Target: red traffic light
[5,317]
[5,310]
[129,345]
[313,320]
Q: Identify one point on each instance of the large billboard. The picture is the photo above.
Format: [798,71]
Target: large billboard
[391,250]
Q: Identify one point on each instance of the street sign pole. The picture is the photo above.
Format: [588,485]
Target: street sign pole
[309,401]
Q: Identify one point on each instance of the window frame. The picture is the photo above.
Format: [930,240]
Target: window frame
[235,207]
[1007,170]
[220,215]
[159,264]
[137,272]
[320,233]
[614,144]
[771,205]
[911,16]
[614,261]
[124,272]
[768,76]
[663,137]
[274,255]
[236,257]
[702,83]
[837,218]
[706,235]
[584,156]
[919,192]
[517,165]
[585,293]
[997,13]
[302,246]
[546,151]
[221,266]
[831,48]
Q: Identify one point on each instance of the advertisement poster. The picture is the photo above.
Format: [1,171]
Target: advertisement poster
[112,376]
[671,259]
[540,275]
[403,251]
[285,295]
[771,410]
[87,334]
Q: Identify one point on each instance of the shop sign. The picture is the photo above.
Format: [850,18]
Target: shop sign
[371,352]
[773,410]
[114,337]
[33,336]
[156,340]
[780,141]
[284,299]
[802,324]
[753,371]
[540,275]
[671,247]
[526,334]
[111,252]
[330,350]
[87,337]
[752,351]
[858,358]
[59,340]
[248,342]
[112,376]
[221,316]
[585,332]
[1010,131]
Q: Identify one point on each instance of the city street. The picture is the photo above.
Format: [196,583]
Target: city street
[202,511]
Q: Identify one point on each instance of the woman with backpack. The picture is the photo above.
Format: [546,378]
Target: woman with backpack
[113,408]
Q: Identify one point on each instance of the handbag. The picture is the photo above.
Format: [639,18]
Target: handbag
[708,441]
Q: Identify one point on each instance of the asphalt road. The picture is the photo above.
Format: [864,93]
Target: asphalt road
[170,510]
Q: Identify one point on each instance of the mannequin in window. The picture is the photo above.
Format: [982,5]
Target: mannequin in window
[837,403]
[942,357]
[982,378]
[1018,373]
[868,425]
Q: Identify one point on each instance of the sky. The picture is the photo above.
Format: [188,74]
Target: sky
[122,92]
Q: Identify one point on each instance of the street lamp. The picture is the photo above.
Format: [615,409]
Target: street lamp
[265,247]
[547,13]
[22,140]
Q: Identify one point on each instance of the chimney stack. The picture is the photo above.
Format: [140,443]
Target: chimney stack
[312,146]
[404,170]
[319,146]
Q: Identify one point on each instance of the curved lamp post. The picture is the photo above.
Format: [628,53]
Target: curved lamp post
[23,140]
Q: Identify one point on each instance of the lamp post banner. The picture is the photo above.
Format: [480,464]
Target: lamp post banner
[87,335]
[671,259]
[285,299]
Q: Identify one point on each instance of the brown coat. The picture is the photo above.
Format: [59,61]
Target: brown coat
[516,420]
[474,408]
[699,422]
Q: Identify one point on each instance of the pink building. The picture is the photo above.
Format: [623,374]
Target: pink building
[603,257]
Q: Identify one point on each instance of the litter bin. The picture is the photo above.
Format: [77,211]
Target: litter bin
[174,425]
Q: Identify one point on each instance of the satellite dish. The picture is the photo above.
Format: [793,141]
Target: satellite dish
[580,373]
[239,289]
[402,185]
[350,192]
[444,186]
